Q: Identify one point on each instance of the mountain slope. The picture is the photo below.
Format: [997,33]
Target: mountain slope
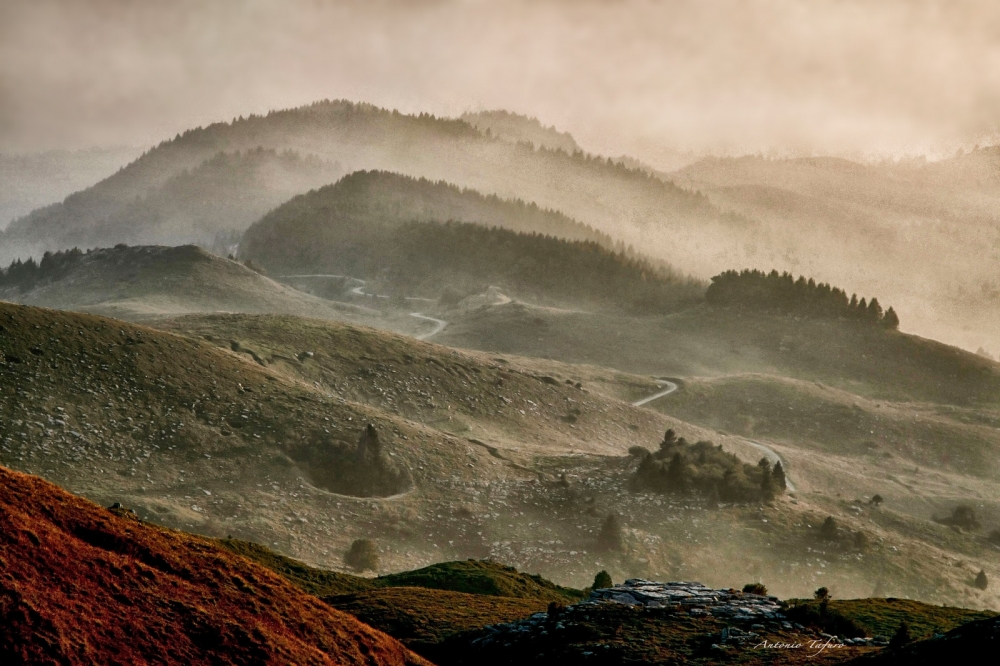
[33,180]
[384,228]
[209,200]
[81,585]
[607,196]
[516,128]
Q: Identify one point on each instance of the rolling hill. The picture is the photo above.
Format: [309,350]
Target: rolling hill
[148,282]
[208,202]
[385,228]
[84,585]
[257,427]
[608,196]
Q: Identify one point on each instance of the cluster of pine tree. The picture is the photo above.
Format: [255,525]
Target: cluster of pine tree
[781,292]
[473,257]
[23,275]
[702,468]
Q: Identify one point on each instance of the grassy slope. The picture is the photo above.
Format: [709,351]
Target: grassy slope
[468,577]
[82,586]
[708,341]
[203,438]
[881,617]
[141,283]
[505,403]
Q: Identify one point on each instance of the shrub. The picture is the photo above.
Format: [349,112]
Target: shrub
[362,556]
[963,516]
[602,581]
[822,593]
[755,588]
[829,530]
[611,537]
[876,500]
[820,615]
[982,582]
[901,637]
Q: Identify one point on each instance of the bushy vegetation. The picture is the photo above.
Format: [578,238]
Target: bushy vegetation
[755,588]
[363,470]
[602,581]
[781,292]
[703,468]
[611,537]
[962,516]
[362,556]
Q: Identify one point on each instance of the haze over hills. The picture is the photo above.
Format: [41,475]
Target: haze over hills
[208,202]
[516,128]
[924,234]
[33,180]
[612,198]
[882,228]
[385,228]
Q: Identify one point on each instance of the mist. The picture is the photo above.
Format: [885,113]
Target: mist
[660,81]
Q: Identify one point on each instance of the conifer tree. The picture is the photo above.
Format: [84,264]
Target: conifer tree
[778,477]
[890,320]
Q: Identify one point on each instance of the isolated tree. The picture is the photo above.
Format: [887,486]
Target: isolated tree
[755,588]
[876,500]
[829,529]
[901,637]
[602,581]
[982,582]
[822,593]
[778,477]
[669,439]
[611,536]
[362,556]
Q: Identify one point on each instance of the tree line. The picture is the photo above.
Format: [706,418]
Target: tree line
[24,275]
[781,292]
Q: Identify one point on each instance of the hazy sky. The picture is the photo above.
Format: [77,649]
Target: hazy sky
[642,77]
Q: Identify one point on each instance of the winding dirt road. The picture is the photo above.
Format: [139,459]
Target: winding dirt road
[769,453]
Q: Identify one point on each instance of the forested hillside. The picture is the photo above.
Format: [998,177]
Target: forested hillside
[414,237]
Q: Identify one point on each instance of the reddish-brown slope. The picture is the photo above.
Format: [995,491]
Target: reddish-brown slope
[81,585]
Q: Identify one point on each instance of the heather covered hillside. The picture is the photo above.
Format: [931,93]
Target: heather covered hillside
[85,585]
